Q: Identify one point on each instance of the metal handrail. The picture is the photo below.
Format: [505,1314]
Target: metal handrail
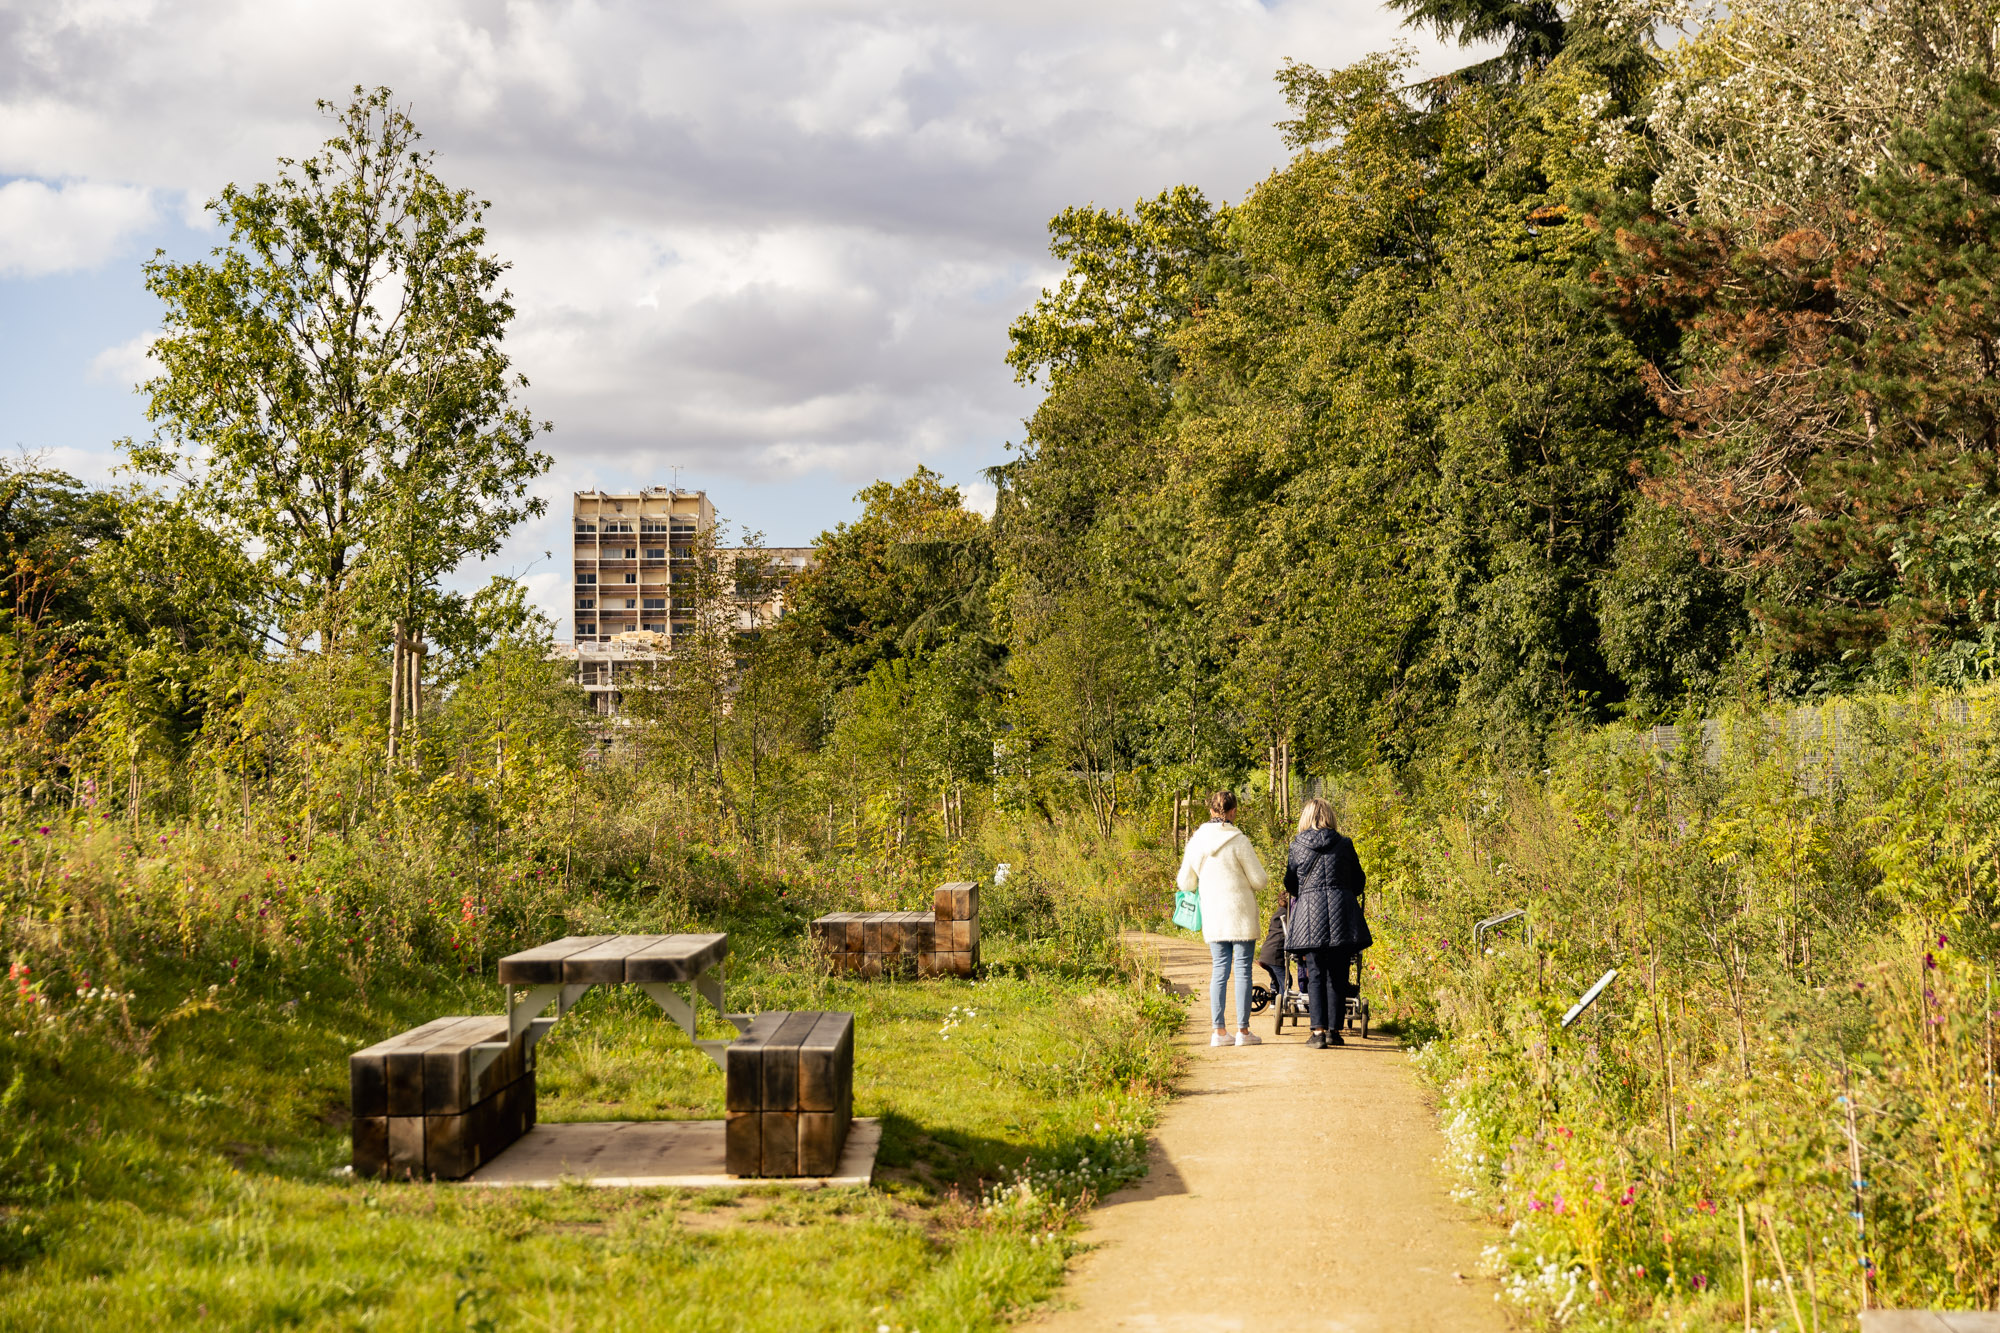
[1495,922]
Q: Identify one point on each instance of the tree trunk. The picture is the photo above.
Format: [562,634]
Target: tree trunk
[395,688]
[415,673]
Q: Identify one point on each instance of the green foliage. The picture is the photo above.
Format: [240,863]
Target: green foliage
[910,573]
[1803,926]
[332,386]
[1130,280]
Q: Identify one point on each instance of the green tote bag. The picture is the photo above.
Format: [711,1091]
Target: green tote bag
[1187,910]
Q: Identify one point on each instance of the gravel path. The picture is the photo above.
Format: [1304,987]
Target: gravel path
[1290,1190]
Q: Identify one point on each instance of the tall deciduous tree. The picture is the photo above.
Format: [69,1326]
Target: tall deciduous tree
[332,384]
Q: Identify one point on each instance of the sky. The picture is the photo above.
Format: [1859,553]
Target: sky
[769,249]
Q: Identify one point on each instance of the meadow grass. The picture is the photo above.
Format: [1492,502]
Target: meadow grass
[174,1154]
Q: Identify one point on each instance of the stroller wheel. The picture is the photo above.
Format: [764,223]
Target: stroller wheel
[1364,1020]
[1260,999]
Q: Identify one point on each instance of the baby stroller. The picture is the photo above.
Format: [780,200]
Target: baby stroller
[1290,996]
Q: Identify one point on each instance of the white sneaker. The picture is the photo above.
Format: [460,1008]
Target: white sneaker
[1219,1039]
[1248,1039]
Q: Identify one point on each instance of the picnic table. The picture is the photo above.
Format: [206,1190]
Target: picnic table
[560,972]
[443,1099]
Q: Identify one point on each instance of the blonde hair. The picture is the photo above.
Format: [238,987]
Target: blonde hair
[1316,814]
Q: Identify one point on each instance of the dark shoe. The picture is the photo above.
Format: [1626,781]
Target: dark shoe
[1316,1042]
[1332,1039]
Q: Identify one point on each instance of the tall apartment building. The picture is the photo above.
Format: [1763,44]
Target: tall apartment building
[634,559]
[628,548]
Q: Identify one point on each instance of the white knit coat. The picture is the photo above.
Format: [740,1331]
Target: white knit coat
[1221,862]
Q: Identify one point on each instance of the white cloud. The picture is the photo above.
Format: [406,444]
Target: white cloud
[979,496]
[73,225]
[126,364]
[769,242]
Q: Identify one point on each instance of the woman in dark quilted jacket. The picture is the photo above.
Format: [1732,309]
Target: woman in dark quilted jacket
[1327,927]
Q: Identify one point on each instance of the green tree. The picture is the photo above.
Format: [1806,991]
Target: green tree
[332,384]
[910,573]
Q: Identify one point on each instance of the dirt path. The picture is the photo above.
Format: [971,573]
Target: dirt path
[1291,1190]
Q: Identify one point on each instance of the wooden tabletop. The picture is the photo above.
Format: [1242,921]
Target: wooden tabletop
[609,960]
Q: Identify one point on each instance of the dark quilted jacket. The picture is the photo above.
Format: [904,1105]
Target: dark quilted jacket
[1325,877]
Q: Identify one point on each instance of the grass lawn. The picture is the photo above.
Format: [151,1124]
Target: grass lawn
[183,1168]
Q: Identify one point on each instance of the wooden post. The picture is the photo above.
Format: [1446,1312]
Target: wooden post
[1743,1247]
[395,688]
[418,651]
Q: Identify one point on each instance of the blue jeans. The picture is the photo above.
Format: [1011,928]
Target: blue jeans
[1230,955]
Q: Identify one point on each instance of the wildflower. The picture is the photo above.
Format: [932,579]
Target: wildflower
[1706,1206]
[1943,940]
[44,831]
[1625,1199]
[1930,962]
[1700,1282]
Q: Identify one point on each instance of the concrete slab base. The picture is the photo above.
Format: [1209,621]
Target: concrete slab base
[650,1154]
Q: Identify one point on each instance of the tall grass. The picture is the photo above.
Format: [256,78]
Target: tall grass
[1783,1107]
[181,999]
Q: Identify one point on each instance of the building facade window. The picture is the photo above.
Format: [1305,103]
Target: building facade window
[586,578]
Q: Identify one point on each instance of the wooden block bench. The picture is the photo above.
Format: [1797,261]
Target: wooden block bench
[941,942]
[874,944]
[441,1099]
[956,907]
[790,1094]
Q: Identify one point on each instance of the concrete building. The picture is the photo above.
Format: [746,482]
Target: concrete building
[628,549]
[634,560]
[761,594]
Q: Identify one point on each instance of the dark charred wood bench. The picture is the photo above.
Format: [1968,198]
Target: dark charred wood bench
[790,1094]
[941,942]
[441,1099]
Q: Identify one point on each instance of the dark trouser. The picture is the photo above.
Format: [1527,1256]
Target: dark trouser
[1327,986]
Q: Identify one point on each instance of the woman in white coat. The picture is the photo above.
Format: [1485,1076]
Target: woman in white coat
[1221,862]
